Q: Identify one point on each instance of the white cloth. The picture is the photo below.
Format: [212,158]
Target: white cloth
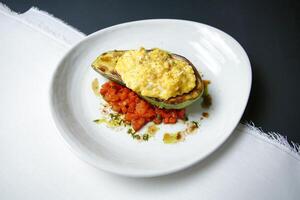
[35,162]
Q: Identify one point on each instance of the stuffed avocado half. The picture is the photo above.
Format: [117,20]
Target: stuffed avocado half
[164,79]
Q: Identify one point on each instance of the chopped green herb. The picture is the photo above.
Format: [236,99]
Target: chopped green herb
[145,137]
[130,131]
[114,121]
[186,118]
[98,121]
[114,116]
[138,137]
[196,123]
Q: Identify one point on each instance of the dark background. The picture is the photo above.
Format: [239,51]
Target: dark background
[268,30]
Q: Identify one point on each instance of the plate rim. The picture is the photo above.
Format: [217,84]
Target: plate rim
[129,173]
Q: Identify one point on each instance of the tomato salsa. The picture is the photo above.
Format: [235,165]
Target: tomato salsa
[137,111]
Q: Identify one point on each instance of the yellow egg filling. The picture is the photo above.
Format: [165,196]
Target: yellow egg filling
[155,73]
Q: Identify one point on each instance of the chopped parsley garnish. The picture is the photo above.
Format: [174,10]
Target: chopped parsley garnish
[98,121]
[135,136]
[130,131]
[146,137]
[196,124]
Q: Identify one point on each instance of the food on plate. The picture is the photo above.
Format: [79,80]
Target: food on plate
[149,86]
[163,79]
[137,111]
[172,138]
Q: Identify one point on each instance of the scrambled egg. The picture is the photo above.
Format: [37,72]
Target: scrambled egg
[155,73]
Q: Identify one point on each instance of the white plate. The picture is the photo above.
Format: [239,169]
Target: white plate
[74,106]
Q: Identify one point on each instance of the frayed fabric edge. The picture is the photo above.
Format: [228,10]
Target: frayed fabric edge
[76,31]
[5,9]
[51,26]
[276,139]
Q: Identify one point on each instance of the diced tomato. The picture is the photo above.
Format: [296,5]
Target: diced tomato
[137,124]
[157,119]
[181,114]
[164,113]
[130,116]
[123,109]
[173,114]
[131,107]
[141,107]
[137,111]
[150,113]
[123,95]
[113,97]
[103,91]
[124,103]
[166,120]
[116,108]
[131,95]
[172,120]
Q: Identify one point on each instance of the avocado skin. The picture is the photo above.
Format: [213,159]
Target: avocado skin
[178,102]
